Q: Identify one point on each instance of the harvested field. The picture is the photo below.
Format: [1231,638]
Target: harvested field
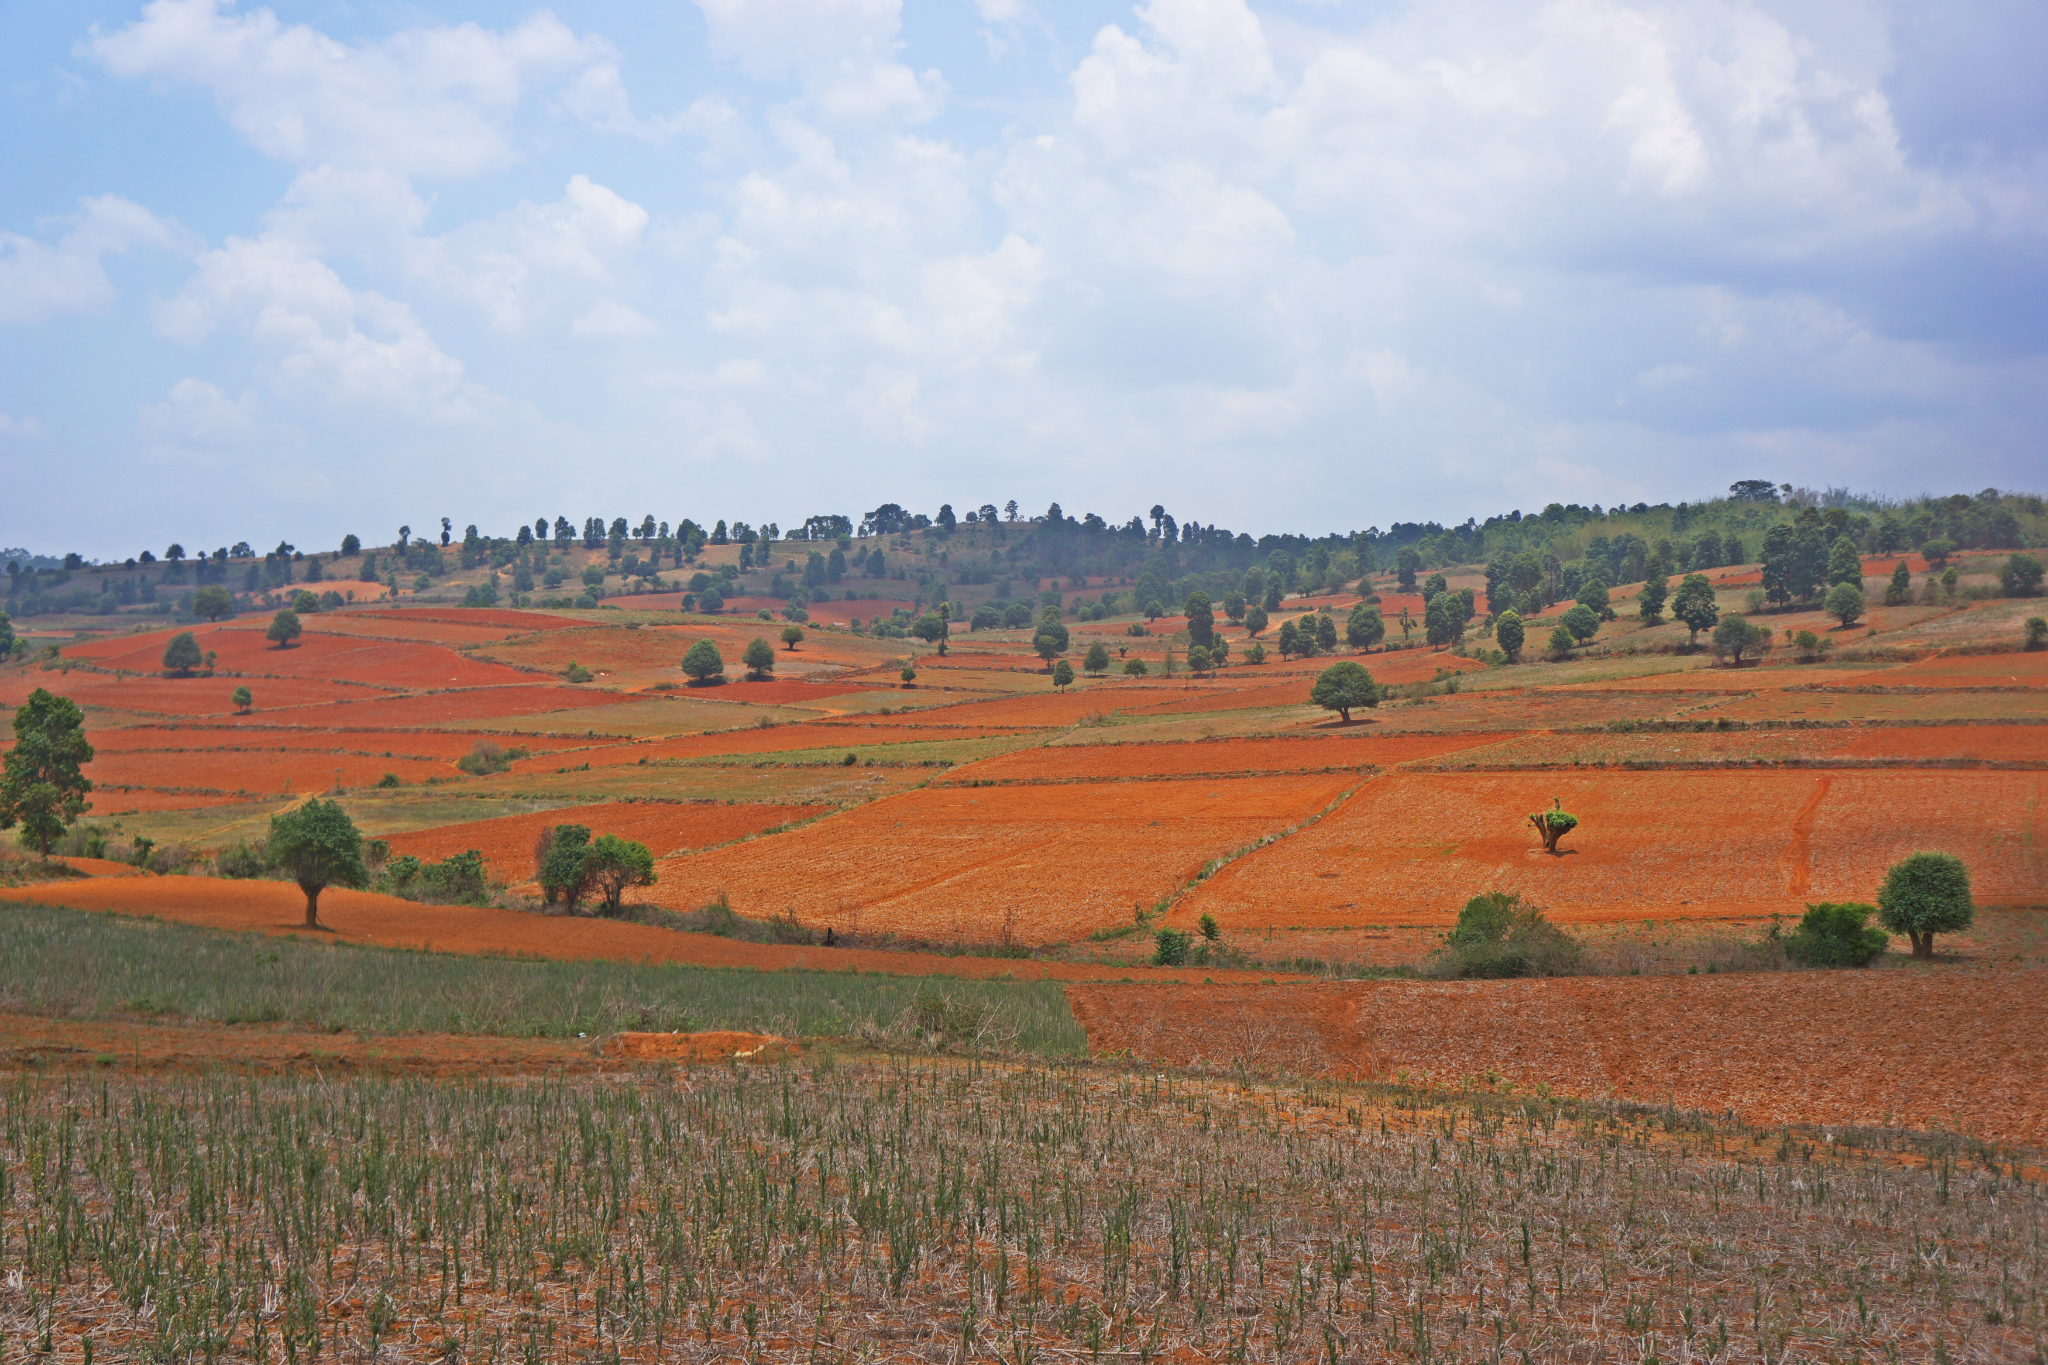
[1003,864]
[296,771]
[193,696]
[387,625]
[778,692]
[109,801]
[1832,1052]
[1412,847]
[1044,709]
[1867,743]
[656,651]
[755,739]
[1965,625]
[370,920]
[837,612]
[317,654]
[421,708]
[1939,705]
[1110,761]
[666,828]
[502,617]
[2016,669]
[1213,698]
[440,745]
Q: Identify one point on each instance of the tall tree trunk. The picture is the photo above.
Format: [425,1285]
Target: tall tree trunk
[312,905]
[1923,944]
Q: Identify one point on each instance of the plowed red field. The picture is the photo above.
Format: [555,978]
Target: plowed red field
[2028,669]
[1876,743]
[317,654]
[658,650]
[1046,708]
[443,745]
[517,622]
[780,692]
[837,612]
[193,696]
[1411,848]
[259,772]
[756,740]
[1035,864]
[1214,697]
[430,708]
[1102,762]
[110,801]
[507,843]
[1782,1047]
[265,907]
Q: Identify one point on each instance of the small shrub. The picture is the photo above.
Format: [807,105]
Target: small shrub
[389,780]
[1170,947]
[487,759]
[1210,929]
[241,860]
[457,880]
[577,673]
[2037,632]
[1501,935]
[1835,934]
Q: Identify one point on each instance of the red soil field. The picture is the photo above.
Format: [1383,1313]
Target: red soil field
[757,740]
[2017,669]
[1031,864]
[442,745]
[507,618]
[1411,848]
[363,917]
[507,842]
[110,801]
[194,696]
[779,692]
[837,612]
[1047,708]
[1882,743]
[1779,1047]
[1212,697]
[316,654]
[657,651]
[393,626]
[1092,762]
[1994,743]
[258,773]
[430,708]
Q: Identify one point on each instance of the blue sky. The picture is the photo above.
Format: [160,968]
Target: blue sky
[303,269]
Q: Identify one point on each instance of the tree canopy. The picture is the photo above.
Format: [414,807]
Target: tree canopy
[42,787]
[1344,686]
[1923,895]
[703,662]
[182,654]
[1509,634]
[214,602]
[1694,606]
[320,847]
[759,657]
[284,628]
[612,864]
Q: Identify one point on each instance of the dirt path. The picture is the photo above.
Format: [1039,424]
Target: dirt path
[1957,1049]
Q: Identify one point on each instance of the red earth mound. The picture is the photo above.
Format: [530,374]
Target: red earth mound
[1026,864]
[362,917]
[666,828]
[1784,1047]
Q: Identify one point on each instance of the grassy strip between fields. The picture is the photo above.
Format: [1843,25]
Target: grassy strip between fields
[74,964]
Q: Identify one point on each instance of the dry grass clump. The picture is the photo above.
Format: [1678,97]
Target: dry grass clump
[950,1211]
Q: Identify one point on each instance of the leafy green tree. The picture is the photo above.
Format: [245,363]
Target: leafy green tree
[1366,627]
[1442,622]
[242,698]
[1845,600]
[1049,623]
[351,546]
[318,845]
[182,654]
[2037,632]
[759,657]
[284,628]
[1509,634]
[792,636]
[1255,620]
[703,662]
[1233,605]
[558,864]
[6,636]
[1153,610]
[1694,606]
[1899,591]
[42,786]
[1063,674]
[1431,586]
[1583,622]
[1290,639]
[1923,895]
[214,602]
[1836,934]
[1937,551]
[1256,654]
[1595,597]
[930,628]
[612,864]
[1199,660]
[2020,576]
[1650,602]
[1735,636]
[1097,658]
[306,603]
[1201,618]
[985,617]
[1561,641]
[1324,628]
[1406,564]
[1554,824]
[710,602]
[1135,668]
[1845,563]
[1343,686]
[1046,647]
[1170,947]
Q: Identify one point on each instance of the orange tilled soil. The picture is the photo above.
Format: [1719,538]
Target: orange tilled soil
[359,711]
[1410,848]
[1879,743]
[1783,1047]
[1310,753]
[1045,708]
[111,801]
[756,739]
[368,919]
[666,828]
[1970,670]
[660,649]
[434,745]
[193,696]
[317,654]
[229,770]
[76,1044]
[692,1047]
[1031,864]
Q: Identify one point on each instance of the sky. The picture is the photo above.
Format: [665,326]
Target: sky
[297,270]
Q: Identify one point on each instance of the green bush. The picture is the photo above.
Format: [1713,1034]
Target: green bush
[1498,934]
[457,880]
[1170,948]
[240,860]
[1836,934]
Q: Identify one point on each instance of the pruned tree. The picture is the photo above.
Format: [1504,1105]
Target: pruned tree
[1344,687]
[1554,824]
[319,846]
[1923,895]
[182,654]
[792,636]
[43,785]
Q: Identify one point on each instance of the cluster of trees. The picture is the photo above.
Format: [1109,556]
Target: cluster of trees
[570,865]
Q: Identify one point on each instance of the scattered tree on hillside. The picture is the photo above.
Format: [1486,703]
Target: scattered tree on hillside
[1062,674]
[42,786]
[1845,563]
[1924,895]
[182,654]
[1595,597]
[1199,660]
[351,546]
[1097,658]
[703,662]
[1366,627]
[1343,686]
[1509,635]
[214,602]
[1201,618]
[2037,632]
[1735,636]
[1561,641]
[1694,606]
[1937,551]
[1845,600]
[284,628]
[1554,824]
[319,847]
[1583,622]
[558,864]
[2020,576]
[1255,620]
[759,657]
[242,699]
[1899,590]
[1650,602]
[1406,564]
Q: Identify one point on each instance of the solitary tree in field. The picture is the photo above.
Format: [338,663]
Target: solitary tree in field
[213,602]
[612,864]
[1924,895]
[1845,600]
[42,787]
[1509,634]
[1199,660]
[1561,641]
[1554,824]
[1062,674]
[318,845]
[284,628]
[1096,660]
[1365,627]
[242,699]
[1255,620]
[1694,605]
[1736,635]
[1583,622]
[182,654]
[558,863]
[1201,615]
[703,662]
[1342,686]
[792,636]
[759,657]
